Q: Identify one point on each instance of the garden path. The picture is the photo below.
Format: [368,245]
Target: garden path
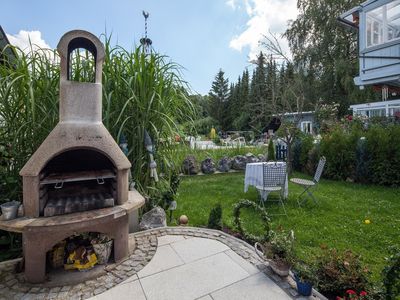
[185,267]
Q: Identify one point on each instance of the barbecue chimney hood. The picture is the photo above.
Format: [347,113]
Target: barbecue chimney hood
[80,128]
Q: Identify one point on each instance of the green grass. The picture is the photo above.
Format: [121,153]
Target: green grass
[338,220]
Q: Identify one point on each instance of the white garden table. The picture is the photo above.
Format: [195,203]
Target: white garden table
[254,177]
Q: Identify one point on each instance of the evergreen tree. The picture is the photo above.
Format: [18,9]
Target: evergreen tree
[258,109]
[230,107]
[271,151]
[235,108]
[272,85]
[215,217]
[281,79]
[218,99]
[242,119]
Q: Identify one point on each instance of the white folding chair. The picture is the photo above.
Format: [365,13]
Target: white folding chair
[309,184]
[274,179]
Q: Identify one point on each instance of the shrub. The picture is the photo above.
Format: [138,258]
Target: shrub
[204,125]
[339,149]
[301,147]
[391,275]
[362,161]
[271,151]
[306,146]
[313,159]
[383,146]
[169,195]
[373,159]
[305,272]
[338,272]
[296,154]
[215,218]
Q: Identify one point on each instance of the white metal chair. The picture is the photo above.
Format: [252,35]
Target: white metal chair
[274,179]
[309,184]
[226,142]
[239,142]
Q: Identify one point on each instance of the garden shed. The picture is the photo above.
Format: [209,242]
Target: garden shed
[304,120]
[378,25]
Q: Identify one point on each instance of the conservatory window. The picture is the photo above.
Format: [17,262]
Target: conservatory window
[394,111]
[362,112]
[306,127]
[393,20]
[383,24]
[375,27]
[377,113]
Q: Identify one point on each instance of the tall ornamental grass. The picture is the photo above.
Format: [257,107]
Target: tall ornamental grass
[140,92]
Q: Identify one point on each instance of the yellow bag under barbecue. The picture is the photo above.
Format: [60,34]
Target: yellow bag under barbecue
[92,261]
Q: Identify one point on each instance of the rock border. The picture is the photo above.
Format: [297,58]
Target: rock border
[12,285]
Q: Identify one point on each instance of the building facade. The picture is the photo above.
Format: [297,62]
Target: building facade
[389,108]
[378,25]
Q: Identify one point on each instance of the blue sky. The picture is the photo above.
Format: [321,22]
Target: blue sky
[200,35]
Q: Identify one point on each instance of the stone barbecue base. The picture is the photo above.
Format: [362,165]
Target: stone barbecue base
[75,284]
[12,285]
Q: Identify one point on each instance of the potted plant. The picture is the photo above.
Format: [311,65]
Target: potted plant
[304,276]
[278,250]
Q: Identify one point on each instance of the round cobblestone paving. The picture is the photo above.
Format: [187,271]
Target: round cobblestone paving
[12,285]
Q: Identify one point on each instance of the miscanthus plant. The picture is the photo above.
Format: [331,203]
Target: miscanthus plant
[140,92]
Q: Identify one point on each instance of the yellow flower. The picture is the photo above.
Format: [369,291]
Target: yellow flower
[367,221]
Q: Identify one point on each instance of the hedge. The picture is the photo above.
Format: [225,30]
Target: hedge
[362,155]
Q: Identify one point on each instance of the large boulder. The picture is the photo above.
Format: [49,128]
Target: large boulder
[261,158]
[190,165]
[224,164]
[153,219]
[208,166]
[239,162]
[251,158]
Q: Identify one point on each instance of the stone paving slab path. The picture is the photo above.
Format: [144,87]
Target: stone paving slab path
[168,263]
[196,268]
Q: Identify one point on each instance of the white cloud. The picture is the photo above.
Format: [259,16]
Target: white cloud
[264,16]
[231,3]
[23,39]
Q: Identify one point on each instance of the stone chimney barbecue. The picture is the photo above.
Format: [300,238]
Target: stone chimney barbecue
[77,180]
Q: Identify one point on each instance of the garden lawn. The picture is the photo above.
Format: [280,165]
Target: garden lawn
[338,220]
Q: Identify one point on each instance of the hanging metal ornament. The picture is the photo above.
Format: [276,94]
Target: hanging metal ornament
[150,148]
[145,41]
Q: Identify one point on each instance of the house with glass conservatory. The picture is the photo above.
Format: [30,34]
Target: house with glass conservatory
[378,25]
[388,108]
